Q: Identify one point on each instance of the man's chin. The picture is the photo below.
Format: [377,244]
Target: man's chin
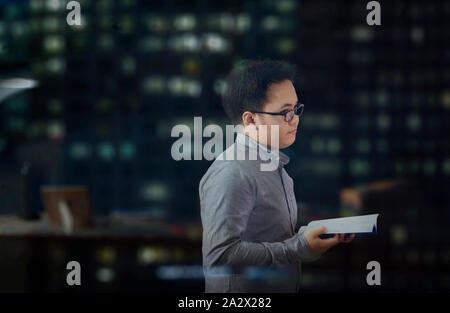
[287,143]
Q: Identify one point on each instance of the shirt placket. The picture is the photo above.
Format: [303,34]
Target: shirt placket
[288,202]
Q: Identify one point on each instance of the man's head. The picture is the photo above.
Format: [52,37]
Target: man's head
[262,86]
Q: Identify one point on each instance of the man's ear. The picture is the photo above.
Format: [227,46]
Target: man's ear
[248,118]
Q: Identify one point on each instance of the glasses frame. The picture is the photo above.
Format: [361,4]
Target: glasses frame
[298,110]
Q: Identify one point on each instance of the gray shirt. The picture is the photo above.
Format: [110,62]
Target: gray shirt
[249,218]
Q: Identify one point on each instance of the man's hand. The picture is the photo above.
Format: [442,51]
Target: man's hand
[318,245]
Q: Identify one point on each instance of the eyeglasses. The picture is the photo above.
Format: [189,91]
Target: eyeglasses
[288,114]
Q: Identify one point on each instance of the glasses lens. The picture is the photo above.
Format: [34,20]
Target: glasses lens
[289,116]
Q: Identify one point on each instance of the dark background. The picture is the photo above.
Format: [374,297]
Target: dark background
[377,106]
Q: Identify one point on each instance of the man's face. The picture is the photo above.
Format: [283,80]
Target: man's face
[280,96]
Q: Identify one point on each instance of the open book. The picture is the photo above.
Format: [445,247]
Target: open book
[362,224]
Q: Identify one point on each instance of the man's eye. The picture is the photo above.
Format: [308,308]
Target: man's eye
[284,111]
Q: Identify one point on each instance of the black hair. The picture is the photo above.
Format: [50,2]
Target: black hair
[248,82]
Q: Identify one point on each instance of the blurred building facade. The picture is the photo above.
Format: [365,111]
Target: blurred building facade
[377,106]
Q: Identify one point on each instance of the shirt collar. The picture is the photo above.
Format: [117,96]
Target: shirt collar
[252,143]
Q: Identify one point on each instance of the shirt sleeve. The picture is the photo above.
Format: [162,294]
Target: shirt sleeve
[227,198]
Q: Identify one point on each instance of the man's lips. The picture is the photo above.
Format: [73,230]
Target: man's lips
[292,131]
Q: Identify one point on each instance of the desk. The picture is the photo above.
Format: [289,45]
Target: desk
[105,228]
[34,255]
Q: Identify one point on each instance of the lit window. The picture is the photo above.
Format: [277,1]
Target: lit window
[317,145]
[184,22]
[149,255]
[157,24]
[154,85]
[177,272]
[414,122]
[326,167]
[191,66]
[184,43]
[220,86]
[271,23]
[227,22]
[55,5]
[429,167]
[193,88]
[362,99]
[105,22]
[56,129]
[105,104]
[359,167]
[382,98]
[54,44]
[243,22]
[128,65]
[79,151]
[106,42]
[105,275]
[446,166]
[285,45]
[17,104]
[285,6]
[383,122]
[106,151]
[51,24]
[19,29]
[105,5]
[180,86]
[328,121]
[55,65]
[363,146]
[16,124]
[362,33]
[36,129]
[334,146]
[445,99]
[37,5]
[127,3]
[224,22]
[106,255]
[215,43]
[127,150]
[382,146]
[151,44]
[126,24]
[417,34]
[155,191]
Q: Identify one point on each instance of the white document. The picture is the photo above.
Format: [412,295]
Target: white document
[352,224]
[11,86]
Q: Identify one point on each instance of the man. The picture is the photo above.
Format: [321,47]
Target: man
[249,215]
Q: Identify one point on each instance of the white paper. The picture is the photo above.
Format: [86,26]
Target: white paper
[352,224]
[12,86]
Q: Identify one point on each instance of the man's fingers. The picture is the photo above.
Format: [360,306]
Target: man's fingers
[330,241]
[349,238]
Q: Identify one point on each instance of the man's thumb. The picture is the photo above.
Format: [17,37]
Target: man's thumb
[319,230]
